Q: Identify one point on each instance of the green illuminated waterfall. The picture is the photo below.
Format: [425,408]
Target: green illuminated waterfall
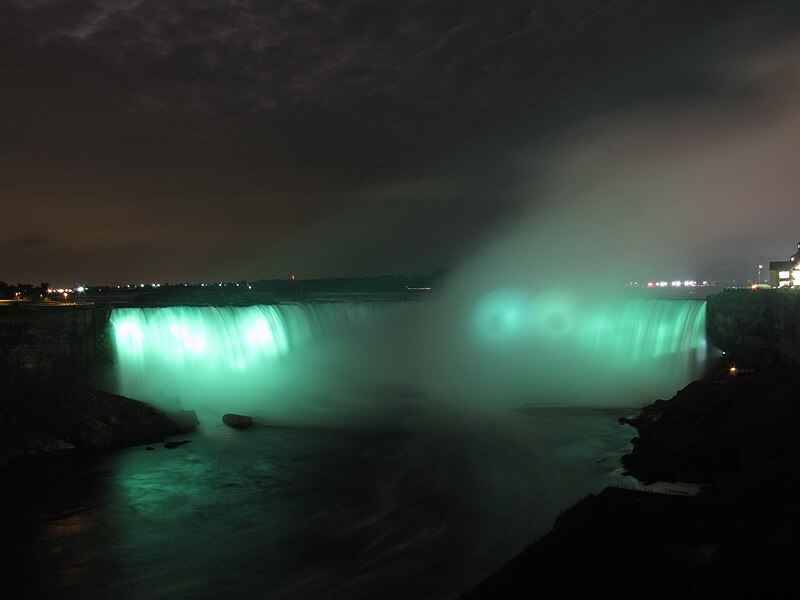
[573,350]
[508,348]
[221,356]
[636,331]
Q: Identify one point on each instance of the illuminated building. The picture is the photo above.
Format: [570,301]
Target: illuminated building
[785,273]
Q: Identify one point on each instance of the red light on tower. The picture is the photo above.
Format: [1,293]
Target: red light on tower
[293,278]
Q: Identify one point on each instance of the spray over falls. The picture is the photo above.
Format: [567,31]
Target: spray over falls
[560,349]
[509,349]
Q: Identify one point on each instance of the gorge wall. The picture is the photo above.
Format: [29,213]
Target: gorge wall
[757,327]
[40,342]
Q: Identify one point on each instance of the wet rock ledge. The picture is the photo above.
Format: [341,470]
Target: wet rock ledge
[47,420]
[738,538]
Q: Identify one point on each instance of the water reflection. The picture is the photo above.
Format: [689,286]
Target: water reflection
[286,513]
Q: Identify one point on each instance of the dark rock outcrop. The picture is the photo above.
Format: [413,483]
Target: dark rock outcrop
[715,426]
[46,420]
[617,544]
[91,433]
[738,538]
[178,444]
[237,421]
[186,419]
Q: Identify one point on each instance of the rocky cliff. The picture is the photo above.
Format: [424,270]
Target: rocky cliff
[50,357]
[758,327]
[47,342]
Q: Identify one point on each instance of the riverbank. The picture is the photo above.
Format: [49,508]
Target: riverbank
[45,420]
[739,537]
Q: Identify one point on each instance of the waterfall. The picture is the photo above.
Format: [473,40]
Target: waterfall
[635,331]
[562,348]
[510,348]
[205,353]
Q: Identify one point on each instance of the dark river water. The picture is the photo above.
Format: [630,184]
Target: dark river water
[425,511]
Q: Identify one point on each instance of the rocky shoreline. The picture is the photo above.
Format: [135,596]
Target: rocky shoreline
[739,537]
[44,420]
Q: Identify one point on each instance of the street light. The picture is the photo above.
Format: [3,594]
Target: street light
[759,273]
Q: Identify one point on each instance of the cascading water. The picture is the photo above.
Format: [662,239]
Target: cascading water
[637,331]
[627,330]
[556,348]
[511,349]
[212,356]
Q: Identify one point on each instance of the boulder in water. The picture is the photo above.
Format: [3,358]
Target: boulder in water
[237,421]
[171,445]
[185,419]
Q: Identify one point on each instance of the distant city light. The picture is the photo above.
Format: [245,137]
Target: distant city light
[676,283]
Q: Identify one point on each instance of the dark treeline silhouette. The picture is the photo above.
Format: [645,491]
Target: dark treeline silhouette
[23,291]
[374,284]
[229,291]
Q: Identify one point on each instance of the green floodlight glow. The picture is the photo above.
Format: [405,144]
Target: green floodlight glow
[552,344]
[626,330]
[557,314]
[216,353]
[521,347]
[128,337]
[638,330]
[501,316]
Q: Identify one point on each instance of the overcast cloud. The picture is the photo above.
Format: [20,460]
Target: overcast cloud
[192,140]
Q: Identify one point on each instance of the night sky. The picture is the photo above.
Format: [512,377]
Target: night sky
[207,140]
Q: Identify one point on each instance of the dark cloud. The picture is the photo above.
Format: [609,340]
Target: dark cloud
[453,60]
[30,240]
[241,137]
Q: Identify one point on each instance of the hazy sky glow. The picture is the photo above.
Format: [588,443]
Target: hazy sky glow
[221,139]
